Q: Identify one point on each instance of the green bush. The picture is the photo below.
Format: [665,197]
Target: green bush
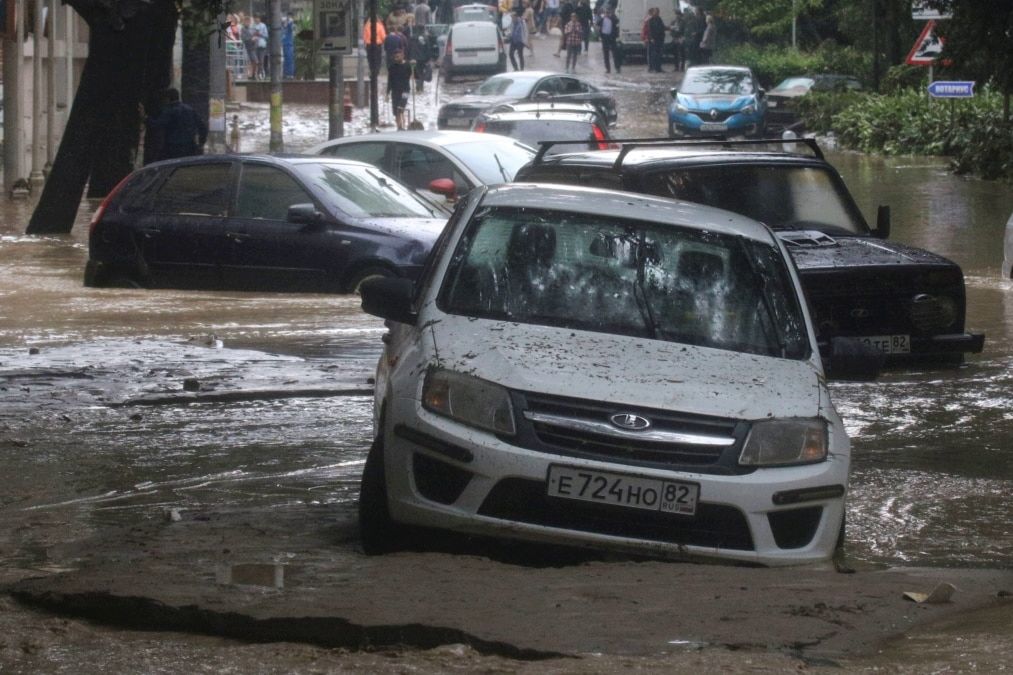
[773,64]
[972,131]
[818,108]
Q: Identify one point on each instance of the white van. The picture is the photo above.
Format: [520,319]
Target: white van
[473,47]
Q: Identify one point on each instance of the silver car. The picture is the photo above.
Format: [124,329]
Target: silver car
[440,164]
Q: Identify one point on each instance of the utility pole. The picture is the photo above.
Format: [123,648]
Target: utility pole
[374,84]
[14,59]
[51,86]
[37,177]
[277,144]
[336,107]
[360,88]
[217,85]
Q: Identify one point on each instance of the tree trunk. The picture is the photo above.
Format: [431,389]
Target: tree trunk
[196,75]
[127,63]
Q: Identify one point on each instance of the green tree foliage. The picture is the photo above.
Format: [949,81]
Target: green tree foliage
[979,41]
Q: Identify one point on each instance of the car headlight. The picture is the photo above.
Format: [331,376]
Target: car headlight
[785,441]
[469,400]
[749,109]
[680,108]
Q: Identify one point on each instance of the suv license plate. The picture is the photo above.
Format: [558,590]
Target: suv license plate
[889,344]
[713,126]
[638,492]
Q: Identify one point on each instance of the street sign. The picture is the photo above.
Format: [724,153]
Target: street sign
[333,26]
[920,11]
[927,48]
[944,89]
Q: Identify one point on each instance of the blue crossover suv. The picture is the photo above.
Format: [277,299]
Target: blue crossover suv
[717,101]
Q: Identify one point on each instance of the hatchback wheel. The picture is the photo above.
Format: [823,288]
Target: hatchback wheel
[366,274]
[378,532]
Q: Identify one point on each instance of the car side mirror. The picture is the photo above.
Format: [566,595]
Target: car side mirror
[882,222]
[389,298]
[674,92]
[542,96]
[854,360]
[444,187]
[304,214]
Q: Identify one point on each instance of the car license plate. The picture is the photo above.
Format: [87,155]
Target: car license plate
[889,344]
[458,121]
[638,492]
[771,104]
[713,126]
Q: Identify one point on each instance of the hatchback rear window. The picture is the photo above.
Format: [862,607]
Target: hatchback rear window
[530,132]
[626,277]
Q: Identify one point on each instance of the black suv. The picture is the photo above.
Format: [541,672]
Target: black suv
[906,302]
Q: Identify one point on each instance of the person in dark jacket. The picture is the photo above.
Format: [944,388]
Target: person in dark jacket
[656,31]
[585,16]
[179,130]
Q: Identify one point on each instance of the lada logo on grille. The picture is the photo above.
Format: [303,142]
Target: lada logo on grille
[630,422]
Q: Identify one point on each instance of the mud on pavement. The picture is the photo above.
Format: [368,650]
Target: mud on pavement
[299,577]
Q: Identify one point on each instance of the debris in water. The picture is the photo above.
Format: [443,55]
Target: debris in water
[940,594]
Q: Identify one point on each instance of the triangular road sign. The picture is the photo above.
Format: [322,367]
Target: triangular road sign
[927,48]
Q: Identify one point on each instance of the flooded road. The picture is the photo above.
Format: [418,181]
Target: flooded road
[91,436]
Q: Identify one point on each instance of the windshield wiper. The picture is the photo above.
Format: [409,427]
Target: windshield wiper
[502,169]
[382,180]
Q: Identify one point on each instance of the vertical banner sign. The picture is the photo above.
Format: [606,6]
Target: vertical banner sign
[333,27]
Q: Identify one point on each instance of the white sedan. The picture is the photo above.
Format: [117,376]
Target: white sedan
[441,164]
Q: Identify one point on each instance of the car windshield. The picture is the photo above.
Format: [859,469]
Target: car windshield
[532,131]
[505,85]
[796,83]
[366,192]
[781,196]
[716,81]
[494,162]
[626,277]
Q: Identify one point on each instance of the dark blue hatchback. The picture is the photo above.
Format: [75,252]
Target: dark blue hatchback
[259,222]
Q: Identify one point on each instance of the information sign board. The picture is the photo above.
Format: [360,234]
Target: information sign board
[333,26]
[945,89]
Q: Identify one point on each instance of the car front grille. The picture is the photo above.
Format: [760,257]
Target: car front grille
[713,115]
[881,302]
[525,501]
[583,428]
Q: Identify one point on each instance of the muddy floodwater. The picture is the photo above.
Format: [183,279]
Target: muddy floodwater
[96,428]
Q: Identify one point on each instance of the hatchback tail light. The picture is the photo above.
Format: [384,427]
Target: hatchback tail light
[101,210]
[479,127]
[599,136]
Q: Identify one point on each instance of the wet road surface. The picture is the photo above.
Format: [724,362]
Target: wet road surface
[932,481]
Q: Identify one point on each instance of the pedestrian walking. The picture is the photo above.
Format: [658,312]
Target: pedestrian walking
[655,39]
[260,35]
[374,45]
[585,16]
[250,43]
[518,39]
[423,16]
[678,30]
[608,30]
[177,130]
[288,47]
[565,14]
[709,39]
[695,25]
[399,84]
[573,38]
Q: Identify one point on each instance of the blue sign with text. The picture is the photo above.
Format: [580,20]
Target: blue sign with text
[943,89]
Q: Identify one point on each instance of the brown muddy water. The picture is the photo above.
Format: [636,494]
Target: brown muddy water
[932,477]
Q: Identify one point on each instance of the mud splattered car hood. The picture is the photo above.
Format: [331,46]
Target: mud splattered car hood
[624,369]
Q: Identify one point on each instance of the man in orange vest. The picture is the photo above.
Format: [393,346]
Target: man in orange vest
[374,45]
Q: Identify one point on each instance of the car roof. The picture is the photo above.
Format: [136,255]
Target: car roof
[639,154]
[432,138]
[697,69]
[531,75]
[279,158]
[616,204]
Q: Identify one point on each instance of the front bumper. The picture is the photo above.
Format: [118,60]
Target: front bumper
[445,475]
[690,124]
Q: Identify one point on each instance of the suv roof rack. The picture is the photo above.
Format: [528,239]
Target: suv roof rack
[629,144]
